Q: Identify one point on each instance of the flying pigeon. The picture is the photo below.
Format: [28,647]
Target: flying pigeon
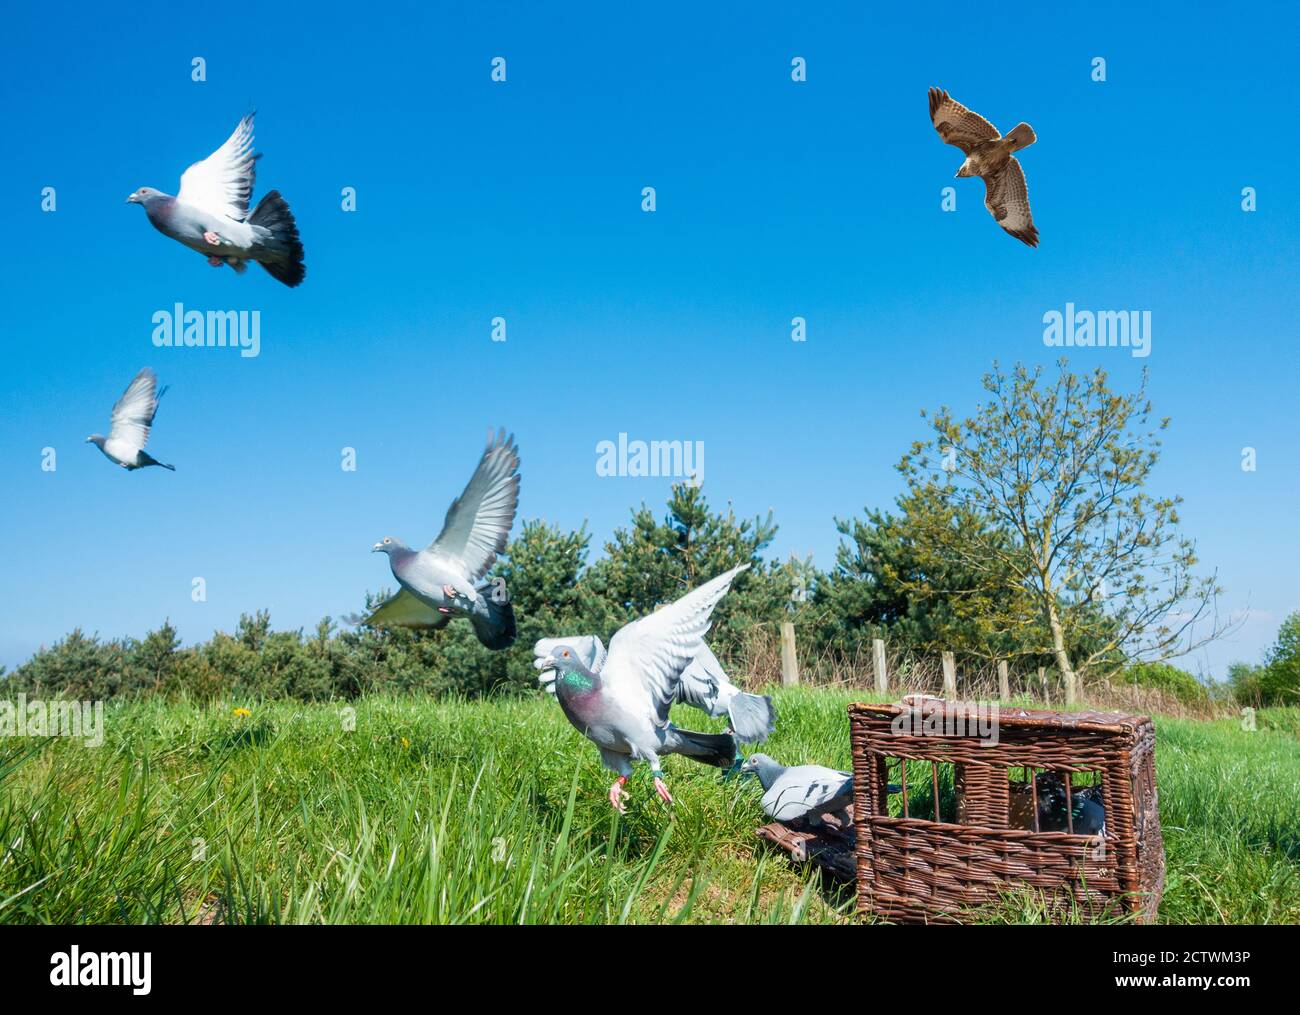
[444,580]
[704,685]
[129,425]
[803,792]
[621,704]
[988,155]
[210,214]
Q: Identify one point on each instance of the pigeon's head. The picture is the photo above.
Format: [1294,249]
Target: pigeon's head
[387,545]
[563,659]
[966,170]
[766,769]
[96,439]
[145,196]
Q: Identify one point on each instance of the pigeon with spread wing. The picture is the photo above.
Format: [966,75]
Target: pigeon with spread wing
[210,212]
[988,155]
[704,685]
[621,702]
[130,424]
[445,579]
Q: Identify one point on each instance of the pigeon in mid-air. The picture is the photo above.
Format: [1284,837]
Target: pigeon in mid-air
[704,685]
[801,792]
[988,155]
[621,703]
[444,580]
[210,213]
[130,422]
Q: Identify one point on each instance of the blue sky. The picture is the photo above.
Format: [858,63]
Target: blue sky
[522,200]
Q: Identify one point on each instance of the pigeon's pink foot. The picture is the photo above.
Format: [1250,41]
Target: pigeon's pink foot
[216,262]
[211,237]
[443,609]
[662,789]
[617,794]
[449,592]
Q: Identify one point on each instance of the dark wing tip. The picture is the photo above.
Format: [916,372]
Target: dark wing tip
[1029,236]
[937,98]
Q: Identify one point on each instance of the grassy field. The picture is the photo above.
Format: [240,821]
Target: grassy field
[453,811]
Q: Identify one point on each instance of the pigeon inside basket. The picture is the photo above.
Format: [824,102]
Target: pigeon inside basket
[958,806]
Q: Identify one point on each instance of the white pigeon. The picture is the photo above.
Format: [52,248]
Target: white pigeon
[210,213]
[129,425]
[622,707]
[443,579]
[704,685]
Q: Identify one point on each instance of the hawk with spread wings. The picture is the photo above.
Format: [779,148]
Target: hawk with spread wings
[988,155]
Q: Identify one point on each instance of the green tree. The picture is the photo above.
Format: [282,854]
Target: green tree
[1060,465]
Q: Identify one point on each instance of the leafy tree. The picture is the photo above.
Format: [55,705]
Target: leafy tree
[1061,466]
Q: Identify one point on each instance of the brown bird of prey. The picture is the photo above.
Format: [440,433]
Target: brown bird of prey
[988,155]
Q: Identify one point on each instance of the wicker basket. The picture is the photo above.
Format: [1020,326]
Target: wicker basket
[931,867]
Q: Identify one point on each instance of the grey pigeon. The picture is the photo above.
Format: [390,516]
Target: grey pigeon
[210,213]
[704,685]
[622,704]
[129,425]
[801,792]
[444,580]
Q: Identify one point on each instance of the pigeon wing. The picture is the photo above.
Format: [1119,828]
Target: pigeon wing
[704,684]
[223,182]
[649,655]
[958,125]
[1007,192]
[807,789]
[133,414]
[479,520]
[404,610]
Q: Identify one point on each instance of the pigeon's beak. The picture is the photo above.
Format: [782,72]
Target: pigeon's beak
[132,199]
[377,547]
[89,439]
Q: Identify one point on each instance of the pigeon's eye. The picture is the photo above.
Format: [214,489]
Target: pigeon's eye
[387,540]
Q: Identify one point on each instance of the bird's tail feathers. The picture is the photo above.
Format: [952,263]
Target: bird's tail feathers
[148,459]
[496,628]
[273,215]
[1021,136]
[716,749]
[753,717]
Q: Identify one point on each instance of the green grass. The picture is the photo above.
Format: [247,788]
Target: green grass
[453,811]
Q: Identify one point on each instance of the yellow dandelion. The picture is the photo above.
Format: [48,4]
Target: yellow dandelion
[405,742]
[242,713]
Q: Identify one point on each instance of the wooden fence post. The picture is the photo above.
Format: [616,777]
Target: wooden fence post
[789,660]
[878,664]
[1004,681]
[949,675]
[1042,682]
